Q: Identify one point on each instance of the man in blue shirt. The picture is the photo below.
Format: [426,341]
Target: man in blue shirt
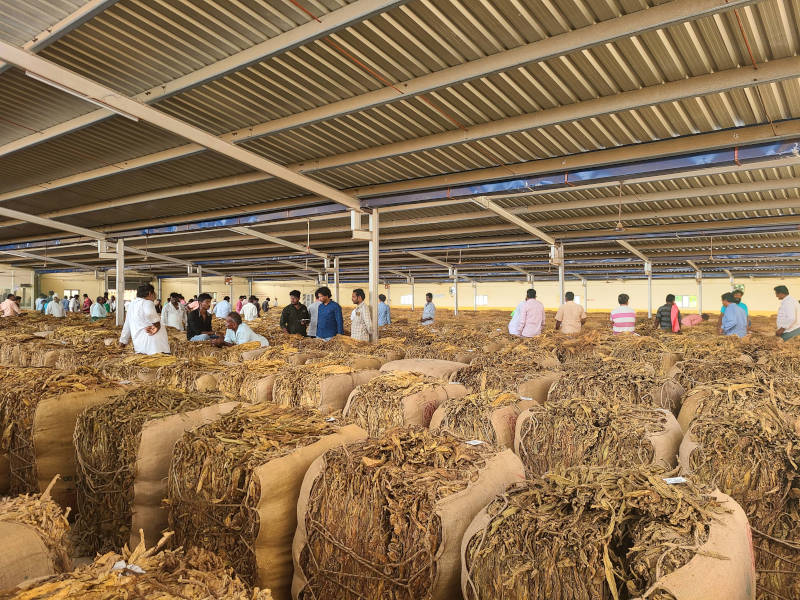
[734,319]
[384,316]
[329,315]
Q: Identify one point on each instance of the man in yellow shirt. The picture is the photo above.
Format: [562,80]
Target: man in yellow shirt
[570,316]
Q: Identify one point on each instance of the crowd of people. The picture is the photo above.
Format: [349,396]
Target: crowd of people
[528,318]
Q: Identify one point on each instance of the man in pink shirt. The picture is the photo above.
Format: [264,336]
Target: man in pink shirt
[9,306]
[529,316]
[692,320]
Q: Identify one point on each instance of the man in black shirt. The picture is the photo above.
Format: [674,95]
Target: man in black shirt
[295,317]
[198,321]
[668,317]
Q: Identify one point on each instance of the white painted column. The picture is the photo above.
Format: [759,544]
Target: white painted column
[336,278]
[412,294]
[120,282]
[474,296]
[455,292]
[249,287]
[374,269]
[699,277]
[199,280]
[560,284]
[158,287]
[649,295]
[585,294]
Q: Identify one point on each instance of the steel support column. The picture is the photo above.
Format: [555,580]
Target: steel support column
[412,294]
[120,282]
[455,292]
[105,280]
[158,287]
[585,294]
[199,280]
[336,277]
[649,295]
[374,269]
[475,296]
[560,284]
[249,287]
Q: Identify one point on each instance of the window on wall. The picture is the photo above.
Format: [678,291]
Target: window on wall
[405,300]
[482,300]
[70,293]
[686,301]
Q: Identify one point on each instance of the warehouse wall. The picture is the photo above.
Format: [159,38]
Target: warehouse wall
[759,294]
[18,281]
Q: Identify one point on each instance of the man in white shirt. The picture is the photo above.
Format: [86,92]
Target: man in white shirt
[98,309]
[428,311]
[173,314]
[142,324]
[250,310]
[223,308]
[238,333]
[54,308]
[360,318]
[73,304]
[313,311]
[788,314]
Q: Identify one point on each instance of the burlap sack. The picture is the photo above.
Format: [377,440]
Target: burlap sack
[364,363]
[280,482]
[668,361]
[253,354]
[690,405]
[465,357]
[301,358]
[534,391]
[455,513]
[441,369]
[333,391]
[53,429]
[723,567]
[669,395]
[503,420]
[152,466]
[24,555]
[206,383]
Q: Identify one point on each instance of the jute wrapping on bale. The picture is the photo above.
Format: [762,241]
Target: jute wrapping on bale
[566,433]
[600,533]
[636,383]
[439,369]
[489,416]
[506,369]
[384,518]
[397,398]
[323,387]
[123,451]
[692,372]
[234,484]
[34,533]
[724,396]
[752,454]
[251,382]
[22,391]
[144,574]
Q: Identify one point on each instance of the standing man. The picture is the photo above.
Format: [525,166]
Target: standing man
[198,321]
[87,304]
[295,316]
[142,324]
[329,316]
[65,303]
[39,306]
[384,314]
[73,303]
[313,312]
[623,318]
[240,303]
[570,316]
[98,310]
[173,314]
[668,317]
[54,308]
[223,308]
[788,314]
[529,316]
[112,304]
[250,309]
[9,307]
[734,319]
[360,318]
[428,311]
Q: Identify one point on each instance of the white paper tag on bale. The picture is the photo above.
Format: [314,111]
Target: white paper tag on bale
[121,565]
[124,382]
[331,419]
[475,442]
[525,398]
[675,480]
[455,383]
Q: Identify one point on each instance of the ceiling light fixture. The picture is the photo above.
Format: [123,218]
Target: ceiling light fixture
[65,89]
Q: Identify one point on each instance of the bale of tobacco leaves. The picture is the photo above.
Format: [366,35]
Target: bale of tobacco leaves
[752,454]
[727,395]
[144,573]
[507,369]
[622,381]
[324,387]
[579,431]
[488,416]
[234,485]
[692,372]
[383,518]
[196,374]
[123,450]
[597,532]
[252,381]
[35,425]
[398,398]
[35,536]
[440,369]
